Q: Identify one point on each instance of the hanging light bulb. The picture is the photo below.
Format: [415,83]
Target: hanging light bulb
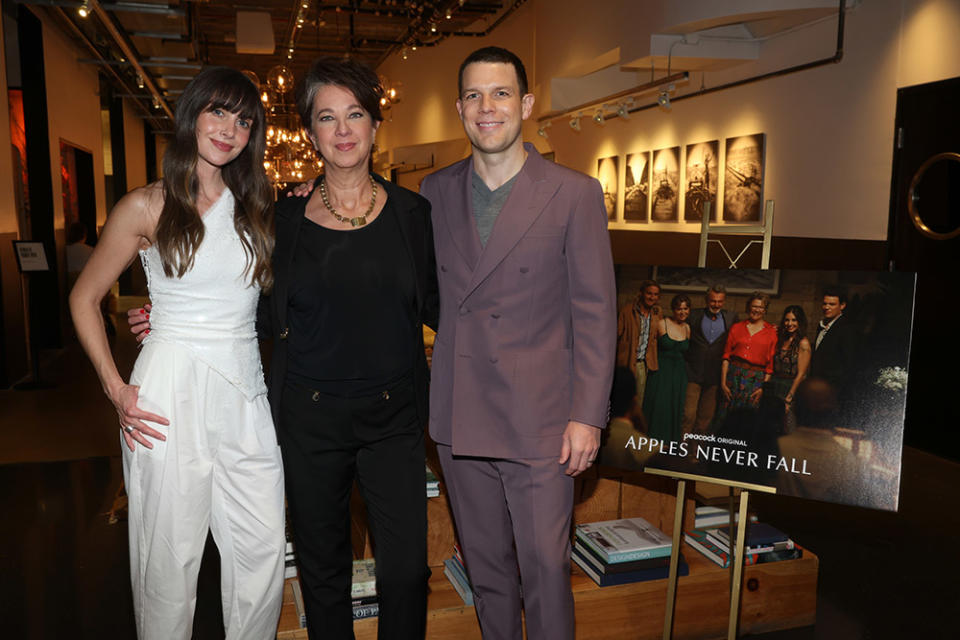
[139,81]
[83,10]
[280,78]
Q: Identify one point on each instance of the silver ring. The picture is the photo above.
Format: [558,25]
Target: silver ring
[128,428]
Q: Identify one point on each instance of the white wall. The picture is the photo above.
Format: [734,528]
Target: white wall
[829,130]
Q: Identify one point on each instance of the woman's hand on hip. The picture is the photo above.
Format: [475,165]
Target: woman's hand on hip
[132,417]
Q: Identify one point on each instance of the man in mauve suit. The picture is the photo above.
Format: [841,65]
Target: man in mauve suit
[523,358]
[708,337]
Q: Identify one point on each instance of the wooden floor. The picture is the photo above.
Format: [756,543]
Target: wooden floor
[64,569]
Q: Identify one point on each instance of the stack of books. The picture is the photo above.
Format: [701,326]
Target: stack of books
[622,551]
[289,557]
[706,517]
[298,603]
[457,575]
[763,543]
[433,484]
[363,589]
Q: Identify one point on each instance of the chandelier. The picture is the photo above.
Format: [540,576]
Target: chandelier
[290,156]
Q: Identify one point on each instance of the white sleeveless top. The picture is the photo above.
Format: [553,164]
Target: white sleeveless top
[212,309]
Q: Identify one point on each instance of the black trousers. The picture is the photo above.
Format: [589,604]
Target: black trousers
[326,442]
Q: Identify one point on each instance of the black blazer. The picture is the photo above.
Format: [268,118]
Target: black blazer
[416,233]
[836,356]
[703,358]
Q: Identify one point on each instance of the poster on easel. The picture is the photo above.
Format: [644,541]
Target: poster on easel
[799,385]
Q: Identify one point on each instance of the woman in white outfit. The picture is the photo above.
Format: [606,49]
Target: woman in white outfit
[201,451]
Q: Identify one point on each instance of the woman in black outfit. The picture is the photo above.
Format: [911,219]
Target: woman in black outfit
[355,278]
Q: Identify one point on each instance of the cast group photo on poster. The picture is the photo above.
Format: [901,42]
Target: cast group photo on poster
[787,379]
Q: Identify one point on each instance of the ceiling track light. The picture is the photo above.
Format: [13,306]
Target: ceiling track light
[664,99]
[139,81]
[84,9]
[542,131]
[623,109]
[598,116]
[575,122]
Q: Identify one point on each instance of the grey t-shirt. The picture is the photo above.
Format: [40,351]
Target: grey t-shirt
[487,204]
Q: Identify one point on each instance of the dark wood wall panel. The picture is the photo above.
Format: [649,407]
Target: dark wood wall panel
[682,249]
[15,348]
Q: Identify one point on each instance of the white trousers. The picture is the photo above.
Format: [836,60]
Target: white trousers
[219,469]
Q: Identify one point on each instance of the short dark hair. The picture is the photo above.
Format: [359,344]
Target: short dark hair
[495,54]
[351,74]
[815,402]
[836,292]
[76,232]
[679,299]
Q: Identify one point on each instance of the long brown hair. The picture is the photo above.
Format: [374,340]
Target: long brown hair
[180,228]
[783,336]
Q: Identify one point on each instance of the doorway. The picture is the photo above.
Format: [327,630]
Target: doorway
[924,236]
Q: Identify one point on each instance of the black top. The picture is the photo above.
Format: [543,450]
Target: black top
[416,237]
[351,310]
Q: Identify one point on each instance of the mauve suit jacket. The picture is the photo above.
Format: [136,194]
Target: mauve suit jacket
[528,323]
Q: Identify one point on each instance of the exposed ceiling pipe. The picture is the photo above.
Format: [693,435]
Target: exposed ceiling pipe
[93,50]
[681,76]
[834,59]
[414,28]
[130,54]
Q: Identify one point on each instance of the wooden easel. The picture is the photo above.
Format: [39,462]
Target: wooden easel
[765,230]
[736,561]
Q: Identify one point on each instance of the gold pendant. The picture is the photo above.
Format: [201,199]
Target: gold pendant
[358,222]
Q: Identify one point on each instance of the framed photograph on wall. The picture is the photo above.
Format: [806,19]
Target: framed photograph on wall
[665,186]
[636,189]
[736,281]
[608,173]
[702,180]
[743,178]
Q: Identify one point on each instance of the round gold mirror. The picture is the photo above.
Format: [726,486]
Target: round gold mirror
[934,197]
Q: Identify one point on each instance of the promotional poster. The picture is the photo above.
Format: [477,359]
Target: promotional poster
[799,384]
